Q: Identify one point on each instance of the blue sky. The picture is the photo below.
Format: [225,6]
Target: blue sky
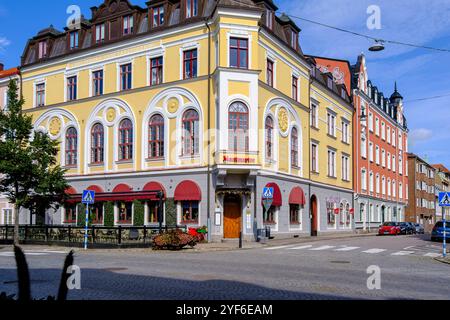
[420,73]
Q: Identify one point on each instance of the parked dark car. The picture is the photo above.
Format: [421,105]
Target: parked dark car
[412,227]
[438,231]
[419,228]
[389,228]
[406,228]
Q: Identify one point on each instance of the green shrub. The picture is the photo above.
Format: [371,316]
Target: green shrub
[109,214]
[81,218]
[139,209]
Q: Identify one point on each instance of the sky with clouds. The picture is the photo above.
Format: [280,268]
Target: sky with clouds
[420,73]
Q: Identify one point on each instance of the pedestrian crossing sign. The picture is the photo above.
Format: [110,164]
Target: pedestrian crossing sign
[268,193]
[88,197]
[444,199]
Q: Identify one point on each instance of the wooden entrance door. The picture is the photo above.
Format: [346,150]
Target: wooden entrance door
[232,217]
[313,216]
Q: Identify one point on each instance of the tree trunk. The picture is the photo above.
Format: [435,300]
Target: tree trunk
[16,225]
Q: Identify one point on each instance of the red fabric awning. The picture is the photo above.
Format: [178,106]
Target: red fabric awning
[152,187]
[297,197]
[277,199]
[188,191]
[71,191]
[95,188]
[122,188]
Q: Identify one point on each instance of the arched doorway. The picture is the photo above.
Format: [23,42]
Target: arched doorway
[314,221]
[383,214]
[232,216]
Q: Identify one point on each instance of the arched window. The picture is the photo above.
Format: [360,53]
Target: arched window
[125,140]
[97,144]
[269,138]
[238,127]
[294,148]
[156,137]
[191,132]
[71,147]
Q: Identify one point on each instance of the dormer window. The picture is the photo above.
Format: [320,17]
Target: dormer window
[73,40]
[42,49]
[294,39]
[269,19]
[191,8]
[343,94]
[128,25]
[330,83]
[100,33]
[157,16]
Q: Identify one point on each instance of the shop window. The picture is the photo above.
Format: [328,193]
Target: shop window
[70,213]
[125,212]
[97,213]
[294,214]
[153,208]
[331,218]
[190,211]
[269,216]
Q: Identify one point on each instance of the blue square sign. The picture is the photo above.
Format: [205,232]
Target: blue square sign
[444,199]
[88,197]
[268,193]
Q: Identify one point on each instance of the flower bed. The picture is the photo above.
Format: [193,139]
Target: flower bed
[174,240]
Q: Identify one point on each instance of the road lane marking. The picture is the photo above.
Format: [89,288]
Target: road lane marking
[374,251]
[407,248]
[432,255]
[11,254]
[322,248]
[280,247]
[402,253]
[347,249]
[300,248]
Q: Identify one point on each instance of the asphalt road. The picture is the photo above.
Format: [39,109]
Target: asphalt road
[328,269]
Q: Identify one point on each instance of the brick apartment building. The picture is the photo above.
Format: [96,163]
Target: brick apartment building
[442,182]
[422,192]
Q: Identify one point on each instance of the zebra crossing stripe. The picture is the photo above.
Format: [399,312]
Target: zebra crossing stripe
[347,249]
[322,248]
[301,248]
[374,251]
[432,255]
[402,253]
[276,248]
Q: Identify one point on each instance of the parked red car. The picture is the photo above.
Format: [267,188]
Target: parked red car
[389,228]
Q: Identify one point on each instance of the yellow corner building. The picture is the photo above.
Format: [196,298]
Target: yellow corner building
[206,101]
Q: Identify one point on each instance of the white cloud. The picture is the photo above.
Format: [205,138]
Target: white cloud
[4,43]
[420,135]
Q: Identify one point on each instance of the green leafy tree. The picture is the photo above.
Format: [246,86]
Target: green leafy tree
[30,177]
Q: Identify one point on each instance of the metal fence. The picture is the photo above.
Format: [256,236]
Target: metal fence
[74,236]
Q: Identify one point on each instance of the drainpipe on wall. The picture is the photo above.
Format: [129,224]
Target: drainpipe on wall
[208,188]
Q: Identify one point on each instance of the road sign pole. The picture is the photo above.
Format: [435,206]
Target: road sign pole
[444,242]
[86,228]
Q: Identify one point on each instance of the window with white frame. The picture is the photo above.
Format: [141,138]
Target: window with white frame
[371,122]
[394,165]
[363,179]
[388,161]
[331,122]
[363,147]
[314,157]
[377,127]
[332,163]
[314,116]
[378,184]
[345,168]
[40,95]
[400,165]
[394,190]
[400,190]
[389,187]
[393,138]
[377,155]
[383,158]
[388,135]
[371,151]
[383,131]
[7,216]
[400,141]
[383,186]
[345,132]
[371,181]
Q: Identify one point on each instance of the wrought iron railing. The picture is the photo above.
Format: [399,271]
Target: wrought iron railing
[97,236]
